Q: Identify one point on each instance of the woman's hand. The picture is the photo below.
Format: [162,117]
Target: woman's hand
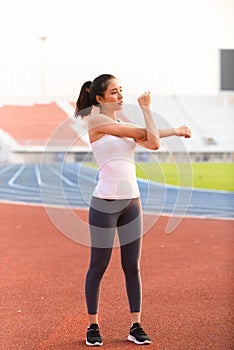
[183,131]
[145,100]
[152,135]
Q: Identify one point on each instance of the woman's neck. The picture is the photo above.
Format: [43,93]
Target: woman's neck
[109,114]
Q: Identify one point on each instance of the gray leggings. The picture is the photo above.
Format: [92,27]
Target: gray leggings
[104,217]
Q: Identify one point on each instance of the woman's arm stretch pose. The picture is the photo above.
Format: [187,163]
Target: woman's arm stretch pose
[115,203]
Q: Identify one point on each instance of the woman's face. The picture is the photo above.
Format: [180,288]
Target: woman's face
[113,95]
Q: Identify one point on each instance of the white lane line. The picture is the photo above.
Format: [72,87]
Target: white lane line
[38,175]
[62,177]
[55,172]
[16,175]
[6,168]
[41,183]
[12,184]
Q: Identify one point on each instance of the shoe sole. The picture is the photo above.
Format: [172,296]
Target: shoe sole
[93,344]
[134,340]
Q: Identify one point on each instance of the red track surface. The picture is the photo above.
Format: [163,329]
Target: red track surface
[187,286]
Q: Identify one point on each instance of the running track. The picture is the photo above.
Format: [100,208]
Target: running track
[187,276]
[72,185]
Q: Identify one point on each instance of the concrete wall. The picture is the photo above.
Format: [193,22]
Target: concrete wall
[72,157]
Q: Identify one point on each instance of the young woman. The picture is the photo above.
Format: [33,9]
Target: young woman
[115,203]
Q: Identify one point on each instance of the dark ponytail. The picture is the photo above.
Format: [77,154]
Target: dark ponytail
[88,93]
[83,103]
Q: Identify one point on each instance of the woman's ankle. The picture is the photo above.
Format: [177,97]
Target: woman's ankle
[135,317]
[93,319]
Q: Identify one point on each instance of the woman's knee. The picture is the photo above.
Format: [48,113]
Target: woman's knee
[96,272]
[131,268]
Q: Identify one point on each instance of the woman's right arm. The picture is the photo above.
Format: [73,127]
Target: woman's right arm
[100,124]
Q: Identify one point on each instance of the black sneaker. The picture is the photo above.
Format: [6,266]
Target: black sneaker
[93,337]
[138,335]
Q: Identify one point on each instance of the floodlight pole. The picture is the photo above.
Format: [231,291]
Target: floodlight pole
[43,41]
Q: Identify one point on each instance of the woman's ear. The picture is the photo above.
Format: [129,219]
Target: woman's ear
[99,99]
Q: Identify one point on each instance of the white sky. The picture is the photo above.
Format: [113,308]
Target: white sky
[165,46]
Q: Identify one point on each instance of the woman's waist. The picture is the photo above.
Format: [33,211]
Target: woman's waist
[121,188]
[112,172]
[116,164]
[115,177]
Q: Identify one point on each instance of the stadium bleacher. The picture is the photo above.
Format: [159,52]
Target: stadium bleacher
[209,118]
[38,128]
[34,124]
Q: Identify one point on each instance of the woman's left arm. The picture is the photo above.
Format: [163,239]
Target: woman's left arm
[182,131]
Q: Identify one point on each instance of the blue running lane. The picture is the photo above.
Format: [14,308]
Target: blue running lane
[72,185]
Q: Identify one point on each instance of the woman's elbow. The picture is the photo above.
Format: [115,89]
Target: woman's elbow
[155,145]
[141,134]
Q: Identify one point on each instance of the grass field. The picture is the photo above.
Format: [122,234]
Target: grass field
[218,176]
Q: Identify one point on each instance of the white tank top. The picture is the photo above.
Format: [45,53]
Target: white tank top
[117,172]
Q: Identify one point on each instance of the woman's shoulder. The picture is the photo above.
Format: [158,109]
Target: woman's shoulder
[99,118]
